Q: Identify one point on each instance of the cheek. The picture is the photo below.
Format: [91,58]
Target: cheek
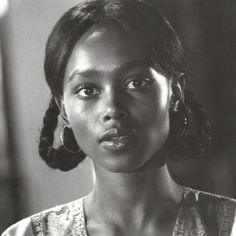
[155,107]
[158,124]
[155,122]
[161,114]
[82,120]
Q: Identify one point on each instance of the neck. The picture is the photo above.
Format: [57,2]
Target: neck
[140,191]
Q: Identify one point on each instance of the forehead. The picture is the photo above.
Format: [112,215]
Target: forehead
[109,31]
[105,47]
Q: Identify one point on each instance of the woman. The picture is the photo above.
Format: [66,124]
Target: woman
[118,80]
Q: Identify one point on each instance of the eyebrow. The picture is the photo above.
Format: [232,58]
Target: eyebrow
[91,73]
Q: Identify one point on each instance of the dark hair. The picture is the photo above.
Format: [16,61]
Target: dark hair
[165,54]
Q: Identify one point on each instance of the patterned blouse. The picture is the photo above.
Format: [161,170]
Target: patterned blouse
[200,214]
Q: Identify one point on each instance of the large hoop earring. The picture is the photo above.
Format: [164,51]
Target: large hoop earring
[180,119]
[68,140]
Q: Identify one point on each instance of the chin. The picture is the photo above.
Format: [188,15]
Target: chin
[125,164]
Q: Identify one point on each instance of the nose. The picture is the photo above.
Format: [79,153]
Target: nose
[114,114]
[114,108]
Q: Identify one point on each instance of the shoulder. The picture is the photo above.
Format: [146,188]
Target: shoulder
[58,220]
[199,198]
[61,220]
[21,228]
[215,212]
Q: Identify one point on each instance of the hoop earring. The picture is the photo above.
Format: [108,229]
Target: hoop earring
[68,140]
[180,120]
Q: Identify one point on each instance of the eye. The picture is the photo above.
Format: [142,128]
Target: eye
[137,83]
[87,91]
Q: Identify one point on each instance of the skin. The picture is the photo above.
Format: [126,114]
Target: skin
[109,86]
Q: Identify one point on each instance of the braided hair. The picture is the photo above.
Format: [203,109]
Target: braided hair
[194,139]
[165,54]
[55,158]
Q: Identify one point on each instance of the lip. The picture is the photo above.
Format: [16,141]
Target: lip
[117,139]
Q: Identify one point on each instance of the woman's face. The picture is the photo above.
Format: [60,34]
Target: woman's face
[116,103]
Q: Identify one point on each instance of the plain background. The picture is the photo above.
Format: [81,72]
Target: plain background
[208,32]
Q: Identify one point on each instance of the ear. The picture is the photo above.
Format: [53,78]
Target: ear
[61,106]
[178,87]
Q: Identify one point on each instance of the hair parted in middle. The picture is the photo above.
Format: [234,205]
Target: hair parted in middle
[165,54]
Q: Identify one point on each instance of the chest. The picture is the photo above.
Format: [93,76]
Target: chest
[151,229]
[206,216]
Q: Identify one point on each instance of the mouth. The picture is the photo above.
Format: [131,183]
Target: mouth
[115,139]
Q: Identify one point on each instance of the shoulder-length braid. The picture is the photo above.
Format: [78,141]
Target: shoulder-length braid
[196,139]
[58,158]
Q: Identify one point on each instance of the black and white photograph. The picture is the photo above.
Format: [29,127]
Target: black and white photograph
[117,117]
